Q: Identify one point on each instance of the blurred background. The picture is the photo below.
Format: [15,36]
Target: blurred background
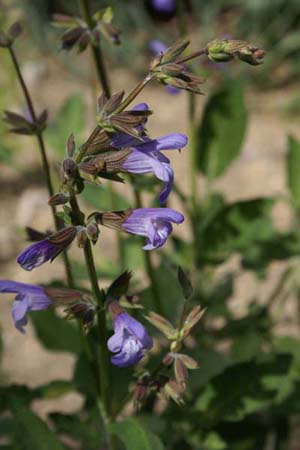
[65,83]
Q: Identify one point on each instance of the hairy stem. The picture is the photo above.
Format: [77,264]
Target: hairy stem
[45,163]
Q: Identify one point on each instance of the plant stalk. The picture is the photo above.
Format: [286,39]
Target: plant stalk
[104,83]
[45,163]
[96,49]
[103,355]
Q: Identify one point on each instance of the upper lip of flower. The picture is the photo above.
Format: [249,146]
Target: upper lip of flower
[129,340]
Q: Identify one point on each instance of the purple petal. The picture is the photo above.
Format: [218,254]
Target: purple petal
[136,328]
[144,214]
[19,288]
[19,311]
[164,6]
[172,141]
[172,90]
[130,354]
[156,47]
[153,223]
[37,254]
[29,298]
[158,235]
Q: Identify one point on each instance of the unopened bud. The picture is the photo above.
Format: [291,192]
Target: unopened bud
[81,237]
[168,359]
[252,55]
[223,50]
[58,199]
[181,373]
[190,363]
[71,145]
[69,169]
[92,232]
[174,391]
[162,324]
[192,319]
[15,30]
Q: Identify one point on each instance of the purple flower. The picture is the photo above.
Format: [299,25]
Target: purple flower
[46,250]
[129,341]
[153,223]
[29,298]
[164,6]
[146,158]
[157,47]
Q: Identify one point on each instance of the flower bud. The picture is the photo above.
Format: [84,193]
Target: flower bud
[69,169]
[15,30]
[162,324]
[71,145]
[192,319]
[92,231]
[81,237]
[223,50]
[58,199]
[181,373]
[174,391]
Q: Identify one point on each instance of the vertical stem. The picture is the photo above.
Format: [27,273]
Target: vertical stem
[96,49]
[149,266]
[103,356]
[45,163]
[103,79]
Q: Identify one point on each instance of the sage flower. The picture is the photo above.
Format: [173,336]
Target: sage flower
[47,249]
[129,341]
[153,223]
[146,158]
[28,298]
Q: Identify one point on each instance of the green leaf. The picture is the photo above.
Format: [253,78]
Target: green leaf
[70,118]
[135,436]
[56,333]
[235,227]
[86,428]
[293,170]
[221,133]
[31,433]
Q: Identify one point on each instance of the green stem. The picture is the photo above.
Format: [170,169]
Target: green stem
[157,299]
[103,80]
[103,355]
[134,93]
[45,163]
[96,49]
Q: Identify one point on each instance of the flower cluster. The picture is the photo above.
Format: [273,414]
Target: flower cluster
[120,145]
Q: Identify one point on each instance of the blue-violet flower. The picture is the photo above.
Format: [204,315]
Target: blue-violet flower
[46,250]
[129,341]
[153,223]
[28,298]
